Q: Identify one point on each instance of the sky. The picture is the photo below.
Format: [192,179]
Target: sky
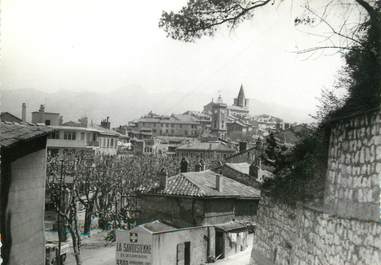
[109,46]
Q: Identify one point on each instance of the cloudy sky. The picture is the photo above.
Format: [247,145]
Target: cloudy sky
[107,46]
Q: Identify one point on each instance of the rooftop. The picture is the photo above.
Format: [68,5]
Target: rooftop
[174,118]
[6,116]
[240,167]
[205,146]
[157,226]
[203,185]
[13,132]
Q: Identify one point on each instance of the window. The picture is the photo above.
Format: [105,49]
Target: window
[172,125]
[186,132]
[154,130]
[47,122]
[69,135]
[181,126]
[173,131]
[54,135]
[112,142]
[82,136]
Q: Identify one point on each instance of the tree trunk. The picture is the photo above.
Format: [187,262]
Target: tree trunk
[76,246]
[87,225]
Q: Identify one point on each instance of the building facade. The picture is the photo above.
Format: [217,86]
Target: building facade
[47,118]
[173,125]
[205,199]
[22,182]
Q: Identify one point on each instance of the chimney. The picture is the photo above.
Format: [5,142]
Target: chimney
[202,163]
[183,165]
[198,167]
[255,167]
[163,175]
[42,108]
[219,183]
[242,146]
[23,112]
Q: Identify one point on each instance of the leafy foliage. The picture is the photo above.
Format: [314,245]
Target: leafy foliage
[300,171]
[202,17]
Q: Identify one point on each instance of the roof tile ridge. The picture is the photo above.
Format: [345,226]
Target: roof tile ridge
[200,191]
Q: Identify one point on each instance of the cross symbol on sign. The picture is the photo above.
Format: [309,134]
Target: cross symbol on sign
[133,237]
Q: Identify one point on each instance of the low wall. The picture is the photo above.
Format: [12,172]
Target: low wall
[305,235]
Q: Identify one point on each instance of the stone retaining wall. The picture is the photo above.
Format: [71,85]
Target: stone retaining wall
[346,229]
[354,167]
[304,236]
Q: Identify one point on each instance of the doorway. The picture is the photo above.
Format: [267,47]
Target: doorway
[183,254]
[220,245]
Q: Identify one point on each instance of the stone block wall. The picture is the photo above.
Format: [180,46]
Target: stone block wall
[354,167]
[304,236]
[346,229]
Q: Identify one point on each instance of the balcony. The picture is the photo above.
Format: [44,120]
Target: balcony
[93,143]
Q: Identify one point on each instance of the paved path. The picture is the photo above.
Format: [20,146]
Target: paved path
[95,251]
[241,258]
[95,256]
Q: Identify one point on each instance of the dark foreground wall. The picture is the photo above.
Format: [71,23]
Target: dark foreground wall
[25,209]
[346,229]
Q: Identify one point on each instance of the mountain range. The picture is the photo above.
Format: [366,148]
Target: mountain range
[125,104]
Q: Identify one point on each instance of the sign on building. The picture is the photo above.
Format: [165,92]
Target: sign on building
[134,247]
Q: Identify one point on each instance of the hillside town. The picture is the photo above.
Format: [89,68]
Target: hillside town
[212,182]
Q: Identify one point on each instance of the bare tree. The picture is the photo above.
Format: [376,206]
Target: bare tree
[64,199]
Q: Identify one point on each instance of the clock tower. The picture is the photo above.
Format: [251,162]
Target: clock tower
[219,116]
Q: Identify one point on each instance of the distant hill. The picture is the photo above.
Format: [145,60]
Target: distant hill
[124,104]
[288,114]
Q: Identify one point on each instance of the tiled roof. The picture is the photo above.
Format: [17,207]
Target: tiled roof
[13,132]
[205,146]
[6,116]
[203,184]
[174,118]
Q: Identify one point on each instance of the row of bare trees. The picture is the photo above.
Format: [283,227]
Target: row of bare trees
[105,188]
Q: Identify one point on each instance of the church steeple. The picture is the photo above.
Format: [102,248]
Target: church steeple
[241,101]
[241,94]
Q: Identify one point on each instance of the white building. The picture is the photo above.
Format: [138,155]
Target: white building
[97,140]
